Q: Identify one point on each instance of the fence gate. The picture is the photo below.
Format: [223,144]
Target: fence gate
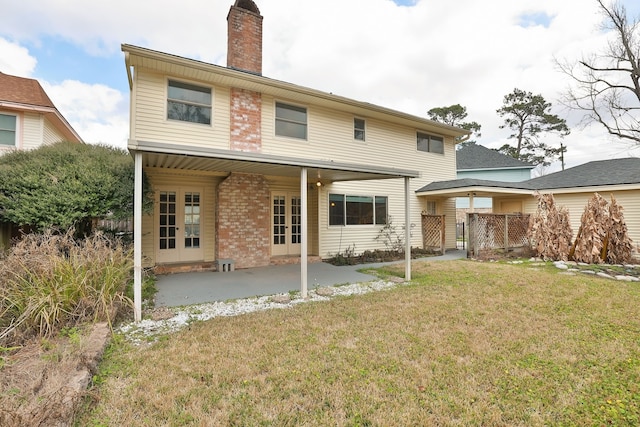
[433,237]
[497,232]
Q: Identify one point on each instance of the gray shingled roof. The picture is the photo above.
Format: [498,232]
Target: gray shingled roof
[592,174]
[474,156]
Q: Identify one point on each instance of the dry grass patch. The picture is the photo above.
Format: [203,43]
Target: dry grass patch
[466,344]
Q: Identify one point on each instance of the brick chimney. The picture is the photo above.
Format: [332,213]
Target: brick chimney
[244,37]
[244,52]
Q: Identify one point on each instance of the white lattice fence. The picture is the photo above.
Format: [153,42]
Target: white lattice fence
[433,232]
[491,232]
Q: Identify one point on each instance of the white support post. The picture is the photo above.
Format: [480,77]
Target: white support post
[407,230]
[137,238]
[304,233]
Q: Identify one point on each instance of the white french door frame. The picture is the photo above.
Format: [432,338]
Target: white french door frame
[286,227]
[179,225]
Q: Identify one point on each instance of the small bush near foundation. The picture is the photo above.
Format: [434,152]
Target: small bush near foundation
[349,257]
[51,281]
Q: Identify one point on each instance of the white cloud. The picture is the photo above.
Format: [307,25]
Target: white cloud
[433,54]
[98,113]
[15,59]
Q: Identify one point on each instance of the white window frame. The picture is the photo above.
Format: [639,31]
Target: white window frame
[434,143]
[285,120]
[208,106]
[16,131]
[374,214]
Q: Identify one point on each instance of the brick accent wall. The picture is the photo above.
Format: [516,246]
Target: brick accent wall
[246,120]
[244,37]
[243,220]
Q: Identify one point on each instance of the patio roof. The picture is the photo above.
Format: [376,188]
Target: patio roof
[178,156]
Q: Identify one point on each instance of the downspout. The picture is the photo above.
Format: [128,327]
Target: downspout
[127,63]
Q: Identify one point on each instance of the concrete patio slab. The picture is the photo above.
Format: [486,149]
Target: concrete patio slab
[202,287]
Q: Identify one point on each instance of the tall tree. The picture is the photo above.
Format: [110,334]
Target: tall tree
[528,116]
[607,84]
[455,115]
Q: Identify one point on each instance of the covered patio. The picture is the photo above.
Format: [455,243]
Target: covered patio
[308,171]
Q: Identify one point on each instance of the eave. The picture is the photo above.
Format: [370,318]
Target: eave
[51,113]
[196,158]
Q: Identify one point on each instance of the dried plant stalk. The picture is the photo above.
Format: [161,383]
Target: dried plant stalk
[619,243]
[550,229]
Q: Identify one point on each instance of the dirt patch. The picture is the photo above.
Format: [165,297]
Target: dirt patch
[44,381]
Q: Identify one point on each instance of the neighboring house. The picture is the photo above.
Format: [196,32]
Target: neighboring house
[28,119]
[571,188]
[249,171]
[479,162]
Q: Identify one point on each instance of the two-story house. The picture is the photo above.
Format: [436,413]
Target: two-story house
[249,171]
[28,119]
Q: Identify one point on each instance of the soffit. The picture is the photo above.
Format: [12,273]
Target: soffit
[179,157]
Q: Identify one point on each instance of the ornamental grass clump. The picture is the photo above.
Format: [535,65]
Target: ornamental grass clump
[49,281]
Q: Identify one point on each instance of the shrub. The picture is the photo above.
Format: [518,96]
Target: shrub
[50,281]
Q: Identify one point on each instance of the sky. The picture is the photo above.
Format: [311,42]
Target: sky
[408,55]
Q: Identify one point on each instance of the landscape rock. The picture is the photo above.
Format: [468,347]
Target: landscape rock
[324,291]
[282,298]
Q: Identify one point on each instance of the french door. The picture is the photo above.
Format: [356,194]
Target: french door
[286,231]
[179,225]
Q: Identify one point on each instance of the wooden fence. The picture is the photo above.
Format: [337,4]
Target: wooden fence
[491,233]
[433,228]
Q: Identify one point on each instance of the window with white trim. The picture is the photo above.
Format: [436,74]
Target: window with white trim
[347,209]
[291,121]
[430,143]
[358,129]
[8,128]
[188,102]
[431,207]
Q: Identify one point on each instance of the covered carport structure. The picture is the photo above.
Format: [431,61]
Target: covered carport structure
[471,188]
[309,171]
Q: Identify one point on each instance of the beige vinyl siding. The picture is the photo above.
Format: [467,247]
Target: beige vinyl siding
[180,179]
[151,124]
[32,131]
[330,137]
[51,135]
[336,239]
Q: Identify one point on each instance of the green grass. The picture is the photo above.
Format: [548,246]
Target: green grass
[465,344]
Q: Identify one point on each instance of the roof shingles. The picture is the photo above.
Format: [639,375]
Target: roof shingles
[593,174]
[21,90]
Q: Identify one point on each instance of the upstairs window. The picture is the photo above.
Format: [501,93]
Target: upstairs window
[189,103]
[8,130]
[291,121]
[430,143]
[358,129]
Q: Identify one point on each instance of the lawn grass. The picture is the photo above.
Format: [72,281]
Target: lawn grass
[465,344]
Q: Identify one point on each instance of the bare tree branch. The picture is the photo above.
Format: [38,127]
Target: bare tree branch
[607,85]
